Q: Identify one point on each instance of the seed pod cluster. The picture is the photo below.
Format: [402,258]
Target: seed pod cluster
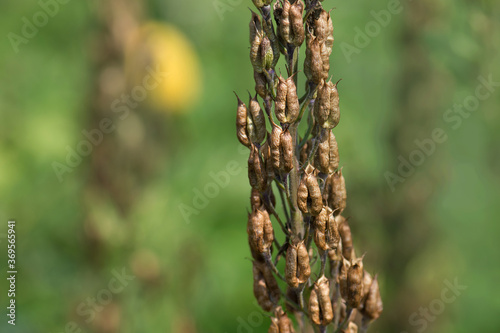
[289,20]
[335,195]
[287,106]
[319,46]
[326,106]
[280,323]
[309,199]
[260,231]
[281,150]
[297,269]
[320,304]
[326,233]
[263,55]
[304,166]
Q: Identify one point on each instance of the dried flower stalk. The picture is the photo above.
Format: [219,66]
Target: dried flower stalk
[304,169]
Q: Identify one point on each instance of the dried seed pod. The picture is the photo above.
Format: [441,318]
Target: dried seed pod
[332,231]
[268,161]
[297,269]
[335,194]
[309,198]
[266,53]
[256,36]
[313,64]
[320,222]
[260,83]
[321,24]
[355,284]
[286,152]
[320,304]
[281,323]
[266,289]
[269,30]
[275,145]
[321,107]
[303,267]
[256,122]
[314,311]
[334,115]
[327,157]
[292,101]
[343,272]
[241,123]
[260,231]
[256,170]
[373,306]
[281,97]
[296,23]
[291,266]
[345,235]
[284,22]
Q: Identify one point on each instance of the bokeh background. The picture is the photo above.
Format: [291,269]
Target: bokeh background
[133,203]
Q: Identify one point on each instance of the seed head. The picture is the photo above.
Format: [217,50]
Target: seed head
[373,305]
[320,304]
[260,231]
[241,123]
[256,170]
[335,194]
[355,284]
[327,157]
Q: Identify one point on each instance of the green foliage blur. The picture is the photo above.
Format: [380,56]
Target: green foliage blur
[192,271]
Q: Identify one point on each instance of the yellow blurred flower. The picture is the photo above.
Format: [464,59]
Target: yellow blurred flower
[166,47]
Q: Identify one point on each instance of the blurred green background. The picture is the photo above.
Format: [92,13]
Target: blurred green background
[133,203]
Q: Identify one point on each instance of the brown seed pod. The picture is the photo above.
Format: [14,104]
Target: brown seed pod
[260,231]
[313,64]
[345,235]
[266,53]
[373,306]
[269,30]
[321,107]
[343,272]
[327,157]
[292,101]
[314,311]
[286,152]
[332,231]
[268,161]
[241,123]
[305,151]
[334,114]
[260,83]
[283,21]
[303,267]
[291,266]
[256,170]
[335,194]
[256,122]
[309,198]
[296,23]
[320,222]
[256,36]
[320,304]
[280,103]
[355,284]
[281,323]
[275,145]
[297,269]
